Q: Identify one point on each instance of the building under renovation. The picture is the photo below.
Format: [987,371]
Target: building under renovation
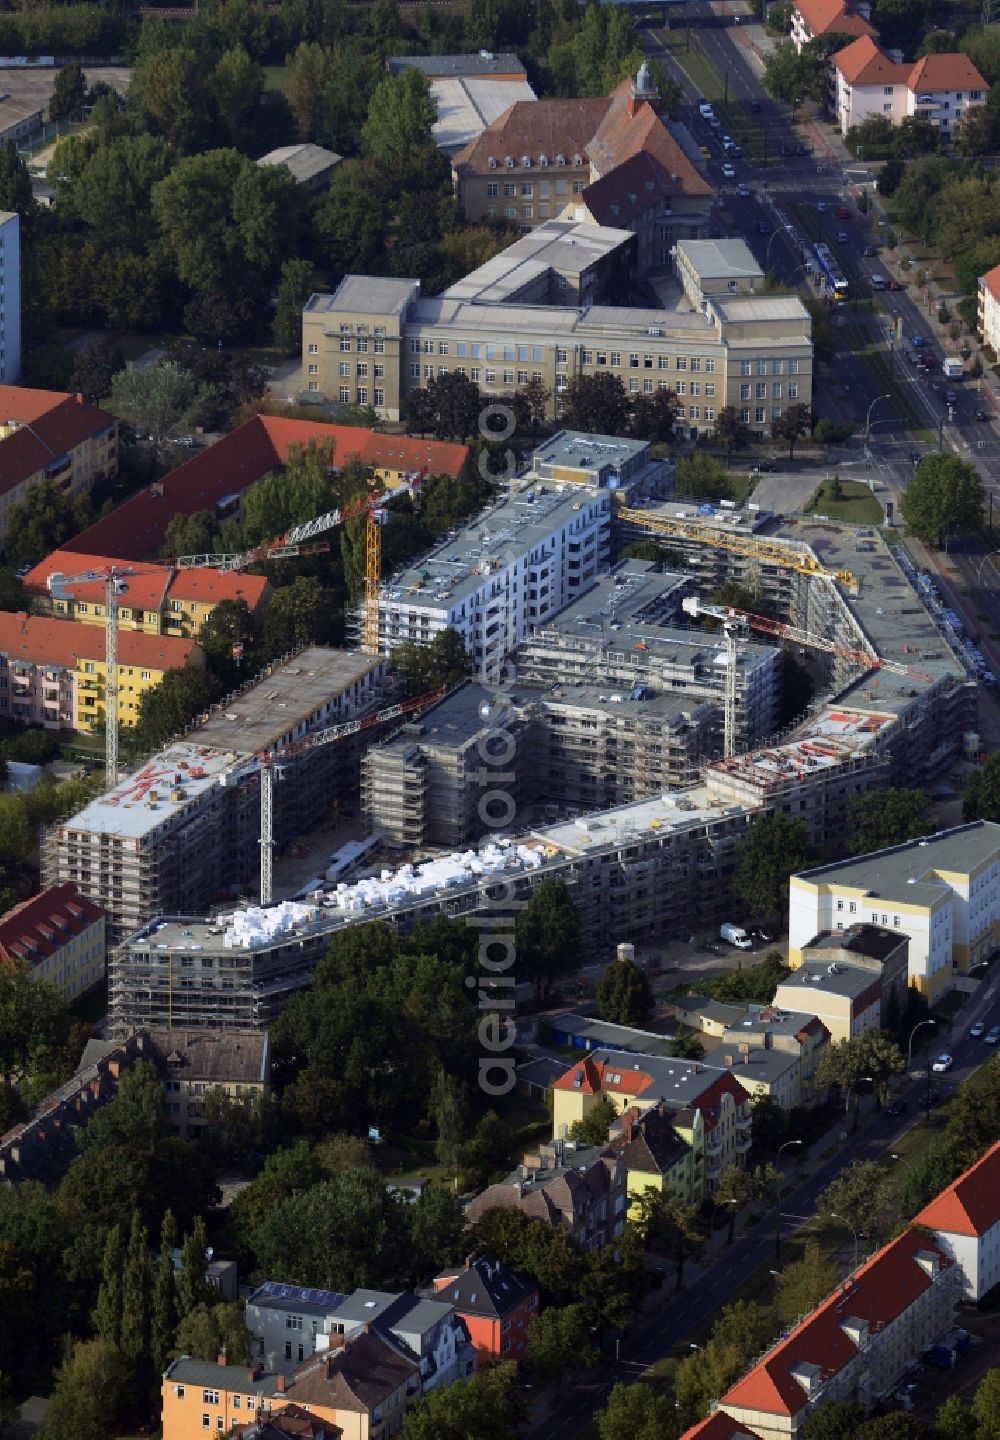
[183,829]
[565,746]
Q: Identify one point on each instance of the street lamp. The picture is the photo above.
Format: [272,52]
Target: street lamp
[716,1202]
[777,1199]
[781,230]
[909,1057]
[858,1080]
[844,1221]
[980,567]
[871,407]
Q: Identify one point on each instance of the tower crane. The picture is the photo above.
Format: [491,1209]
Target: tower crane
[734,621]
[269,764]
[297,541]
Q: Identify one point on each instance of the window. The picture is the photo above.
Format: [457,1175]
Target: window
[633,384]
[587,357]
[313,348]
[560,357]
[379,396]
[509,191]
[493,189]
[709,367]
[760,415]
[746,367]
[288,1349]
[694,412]
[527,189]
[682,387]
[522,377]
[475,373]
[345,342]
[776,390]
[414,347]
[363,395]
[744,392]
[527,212]
[237,1402]
[379,347]
[775,412]
[887,108]
[510,211]
[363,369]
[362,347]
[695,387]
[206,1422]
[663,362]
[793,390]
[427,346]
[428,372]
[887,90]
[210,1397]
[180,1392]
[647,386]
[146,675]
[682,363]
[414,371]
[616,360]
[709,388]
[709,412]
[745,416]
[312,385]
[793,367]
[491,377]
[379,372]
[602,357]
[508,377]
[695,364]
[345,369]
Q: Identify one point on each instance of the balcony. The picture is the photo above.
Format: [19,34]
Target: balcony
[743,1144]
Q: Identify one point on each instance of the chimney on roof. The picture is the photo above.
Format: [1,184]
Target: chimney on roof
[220,1359]
[79,398]
[279,1383]
[256,1371]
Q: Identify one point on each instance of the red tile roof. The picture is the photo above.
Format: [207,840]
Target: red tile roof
[35,929]
[621,137]
[152,585]
[992,281]
[59,423]
[832,17]
[64,643]
[878,1293]
[970,1205]
[534,127]
[596,1079]
[629,190]
[719,1426]
[137,528]
[953,71]
[863,63]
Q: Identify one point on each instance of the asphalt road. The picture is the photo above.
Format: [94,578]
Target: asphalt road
[654,1336]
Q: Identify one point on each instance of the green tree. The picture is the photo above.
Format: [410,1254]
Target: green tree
[883,818]
[803,1283]
[95,367]
[166,708]
[163,400]
[833,1420]
[654,416]
[35,1024]
[449,406]
[638,1412]
[91,1391]
[775,847]
[624,994]
[238,85]
[547,934]
[452,1115]
[400,116]
[208,1329]
[194,534]
[171,88]
[42,521]
[863,1194]
[738,1189]
[597,403]
[741,1331]
[137,1295]
[15,182]
[945,497]
[795,422]
[487,1407]
[702,477]
[107,1315]
[68,92]
[294,616]
[982,792]
[954,1420]
[561,1340]
[163,1323]
[437,1229]
[730,430]
[593,1128]
[881,1057]
[670,1228]
[443,663]
[294,289]
[192,1286]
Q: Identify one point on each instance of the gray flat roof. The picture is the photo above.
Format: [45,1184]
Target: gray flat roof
[581,448]
[131,810]
[365,295]
[909,872]
[486,62]
[761,1064]
[506,530]
[721,259]
[744,309]
[304,162]
[813,977]
[467,104]
[365,1305]
[567,246]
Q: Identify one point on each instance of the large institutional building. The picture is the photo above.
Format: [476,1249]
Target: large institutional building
[546,309]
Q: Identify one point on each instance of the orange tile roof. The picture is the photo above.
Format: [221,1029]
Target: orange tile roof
[825,17]
[212,586]
[992,281]
[621,137]
[151,586]
[863,63]
[65,643]
[970,1205]
[596,1079]
[59,423]
[234,463]
[878,1293]
[719,1426]
[953,71]
[535,128]
[36,928]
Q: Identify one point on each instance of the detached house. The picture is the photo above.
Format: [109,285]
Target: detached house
[494,1301]
[965,1218]
[581,1188]
[812,19]
[871,82]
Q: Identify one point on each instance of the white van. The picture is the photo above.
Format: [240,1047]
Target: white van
[879,282]
[737,936]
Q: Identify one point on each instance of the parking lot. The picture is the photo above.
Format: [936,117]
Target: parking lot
[34,87]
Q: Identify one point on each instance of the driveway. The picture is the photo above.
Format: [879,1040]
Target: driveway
[786,493]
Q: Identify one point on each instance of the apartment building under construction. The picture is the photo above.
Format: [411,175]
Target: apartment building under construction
[183,829]
[573,746]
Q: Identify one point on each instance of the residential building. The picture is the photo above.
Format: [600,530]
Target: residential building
[563,262]
[816,19]
[733,346]
[942,893]
[200,1395]
[942,88]
[159,600]
[20,120]
[853,980]
[53,673]
[427,1330]
[216,478]
[10,297]
[627,630]
[471,92]
[710,1107]
[284,1321]
[584,1032]
[775,1053]
[197,1063]
[366,1388]
[656,1155]
[495,1302]
[965,1219]
[59,935]
[310,166]
[47,434]
[856,1345]
[575,746]
[605,462]
[294,1422]
[988,312]
[581,1187]
[185,827]
[517,564]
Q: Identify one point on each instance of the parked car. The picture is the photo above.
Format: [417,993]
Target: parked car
[950,397]
[896,1107]
[978,1029]
[727,143]
[993,1036]
[842,237]
[822,206]
[917,341]
[761,935]
[763,228]
[981,415]
[728,171]
[754,107]
[744,192]
[842,212]
[870,250]
[942,1064]
[895,284]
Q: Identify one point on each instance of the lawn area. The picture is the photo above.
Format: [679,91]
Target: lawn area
[276,77]
[855,503]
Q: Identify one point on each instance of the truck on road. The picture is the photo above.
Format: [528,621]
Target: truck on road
[953,368]
[736,935]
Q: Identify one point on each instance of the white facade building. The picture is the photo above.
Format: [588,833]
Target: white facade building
[988,316]
[942,892]
[10,297]
[502,575]
[870,82]
[965,1218]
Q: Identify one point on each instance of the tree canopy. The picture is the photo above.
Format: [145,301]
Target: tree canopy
[882,818]
[775,847]
[624,994]
[944,498]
